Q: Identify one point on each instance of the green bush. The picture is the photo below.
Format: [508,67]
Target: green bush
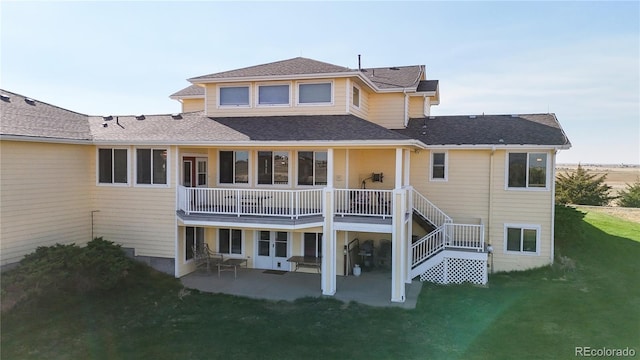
[630,196]
[582,188]
[66,269]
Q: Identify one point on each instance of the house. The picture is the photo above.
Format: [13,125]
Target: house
[295,158]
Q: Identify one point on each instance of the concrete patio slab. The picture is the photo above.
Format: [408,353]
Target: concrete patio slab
[371,288]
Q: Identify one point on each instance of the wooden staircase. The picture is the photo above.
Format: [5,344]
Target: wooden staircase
[449,252]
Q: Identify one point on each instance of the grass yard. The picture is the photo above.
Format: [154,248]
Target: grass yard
[590,297]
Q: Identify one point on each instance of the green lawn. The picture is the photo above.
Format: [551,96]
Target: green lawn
[590,298]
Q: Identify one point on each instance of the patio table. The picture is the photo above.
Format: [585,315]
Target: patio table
[305,261]
[232,263]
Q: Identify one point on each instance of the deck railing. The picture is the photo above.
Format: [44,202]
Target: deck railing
[464,236]
[448,236]
[259,202]
[429,211]
[363,202]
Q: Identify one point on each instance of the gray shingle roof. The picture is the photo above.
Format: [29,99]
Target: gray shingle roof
[309,128]
[22,117]
[189,127]
[394,77]
[293,66]
[526,129]
[193,90]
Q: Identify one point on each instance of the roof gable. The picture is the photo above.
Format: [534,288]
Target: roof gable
[23,116]
[525,129]
[295,66]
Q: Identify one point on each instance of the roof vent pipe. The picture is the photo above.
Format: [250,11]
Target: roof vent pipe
[359,66]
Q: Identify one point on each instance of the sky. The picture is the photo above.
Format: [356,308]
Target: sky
[579,60]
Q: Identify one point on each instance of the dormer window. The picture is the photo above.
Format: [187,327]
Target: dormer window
[273,95]
[315,93]
[234,96]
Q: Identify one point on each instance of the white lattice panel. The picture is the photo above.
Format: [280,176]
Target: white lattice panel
[435,274]
[457,271]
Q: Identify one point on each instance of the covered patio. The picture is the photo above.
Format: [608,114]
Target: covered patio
[371,288]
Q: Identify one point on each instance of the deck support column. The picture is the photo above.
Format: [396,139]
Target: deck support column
[398,235]
[328,276]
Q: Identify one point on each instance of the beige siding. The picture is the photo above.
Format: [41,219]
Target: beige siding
[189,105]
[387,110]
[364,162]
[528,207]
[43,198]
[338,106]
[465,196]
[139,217]
[416,107]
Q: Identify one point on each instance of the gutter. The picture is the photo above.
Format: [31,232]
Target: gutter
[40,139]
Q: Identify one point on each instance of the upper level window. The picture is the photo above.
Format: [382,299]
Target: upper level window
[234,167]
[312,168]
[273,167]
[273,95]
[234,96]
[527,170]
[318,93]
[151,166]
[438,166]
[355,97]
[112,166]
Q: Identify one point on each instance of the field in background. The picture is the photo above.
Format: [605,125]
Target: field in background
[617,175]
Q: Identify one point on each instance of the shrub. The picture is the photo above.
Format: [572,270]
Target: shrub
[66,269]
[582,188]
[630,196]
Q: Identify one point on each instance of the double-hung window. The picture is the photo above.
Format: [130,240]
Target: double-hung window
[522,238]
[312,244]
[234,96]
[438,166]
[112,166]
[230,241]
[527,170]
[273,167]
[312,168]
[234,167]
[193,238]
[355,97]
[315,93]
[273,95]
[151,166]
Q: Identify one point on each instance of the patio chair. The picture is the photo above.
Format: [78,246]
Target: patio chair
[205,257]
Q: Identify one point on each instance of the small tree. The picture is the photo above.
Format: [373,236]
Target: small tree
[582,188]
[630,196]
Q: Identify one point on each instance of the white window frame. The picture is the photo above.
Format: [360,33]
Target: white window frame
[446,165]
[167,169]
[221,106]
[257,92]
[273,161]
[522,227]
[195,233]
[249,168]
[219,241]
[330,103]
[356,87]
[547,174]
[128,183]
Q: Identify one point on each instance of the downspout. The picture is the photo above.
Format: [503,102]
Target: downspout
[489,216]
[553,203]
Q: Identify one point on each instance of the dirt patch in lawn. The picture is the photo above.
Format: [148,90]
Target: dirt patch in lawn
[630,214]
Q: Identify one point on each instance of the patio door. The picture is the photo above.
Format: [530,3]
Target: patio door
[272,250]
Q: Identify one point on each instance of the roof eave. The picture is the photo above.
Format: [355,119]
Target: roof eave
[499,146]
